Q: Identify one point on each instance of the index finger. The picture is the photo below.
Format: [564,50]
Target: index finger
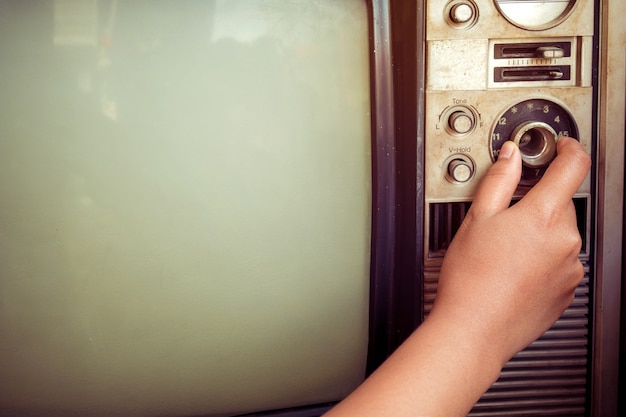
[564,175]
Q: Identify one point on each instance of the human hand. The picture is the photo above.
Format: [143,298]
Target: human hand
[510,272]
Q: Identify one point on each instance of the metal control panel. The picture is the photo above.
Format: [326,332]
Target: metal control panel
[498,71]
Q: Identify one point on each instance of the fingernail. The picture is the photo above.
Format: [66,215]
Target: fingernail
[507,149]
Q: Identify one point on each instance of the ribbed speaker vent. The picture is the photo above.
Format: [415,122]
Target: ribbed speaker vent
[444,221]
[549,377]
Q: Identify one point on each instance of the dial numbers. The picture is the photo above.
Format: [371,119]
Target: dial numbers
[534,125]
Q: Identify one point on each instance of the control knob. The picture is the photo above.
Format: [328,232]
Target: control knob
[460,170]
[550,52]
[461,122]
[537,143]
[461,13]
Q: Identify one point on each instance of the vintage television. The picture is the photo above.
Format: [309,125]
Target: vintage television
[531,71]
[239,207]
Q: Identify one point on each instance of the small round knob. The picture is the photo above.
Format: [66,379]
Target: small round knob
[461,13]
[460,170]
[461,122]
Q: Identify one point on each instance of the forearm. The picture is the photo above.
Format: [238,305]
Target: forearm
[441,370]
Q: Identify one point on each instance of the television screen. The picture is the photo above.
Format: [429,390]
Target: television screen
[186,195]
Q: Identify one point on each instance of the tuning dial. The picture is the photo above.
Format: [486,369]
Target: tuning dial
[537,143]
[461,13]
[535,126]
[460,170]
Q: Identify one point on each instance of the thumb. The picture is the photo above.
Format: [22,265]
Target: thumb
[497,187]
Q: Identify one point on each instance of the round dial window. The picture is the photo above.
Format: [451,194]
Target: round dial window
[535,14]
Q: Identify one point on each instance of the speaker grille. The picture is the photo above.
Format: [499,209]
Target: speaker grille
[444,221]
[549,377]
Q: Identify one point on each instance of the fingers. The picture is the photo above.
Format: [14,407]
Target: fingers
[555,190]
[564,175]
[497,187]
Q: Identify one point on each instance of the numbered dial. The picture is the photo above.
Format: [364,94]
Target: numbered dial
[534,125]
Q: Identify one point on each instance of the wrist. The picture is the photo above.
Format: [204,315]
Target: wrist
[472,359]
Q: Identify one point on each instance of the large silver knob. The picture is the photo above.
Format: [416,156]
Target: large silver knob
[537,143]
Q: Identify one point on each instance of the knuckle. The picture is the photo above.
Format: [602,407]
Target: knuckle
[577,244]
[581,157]
[577,276]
